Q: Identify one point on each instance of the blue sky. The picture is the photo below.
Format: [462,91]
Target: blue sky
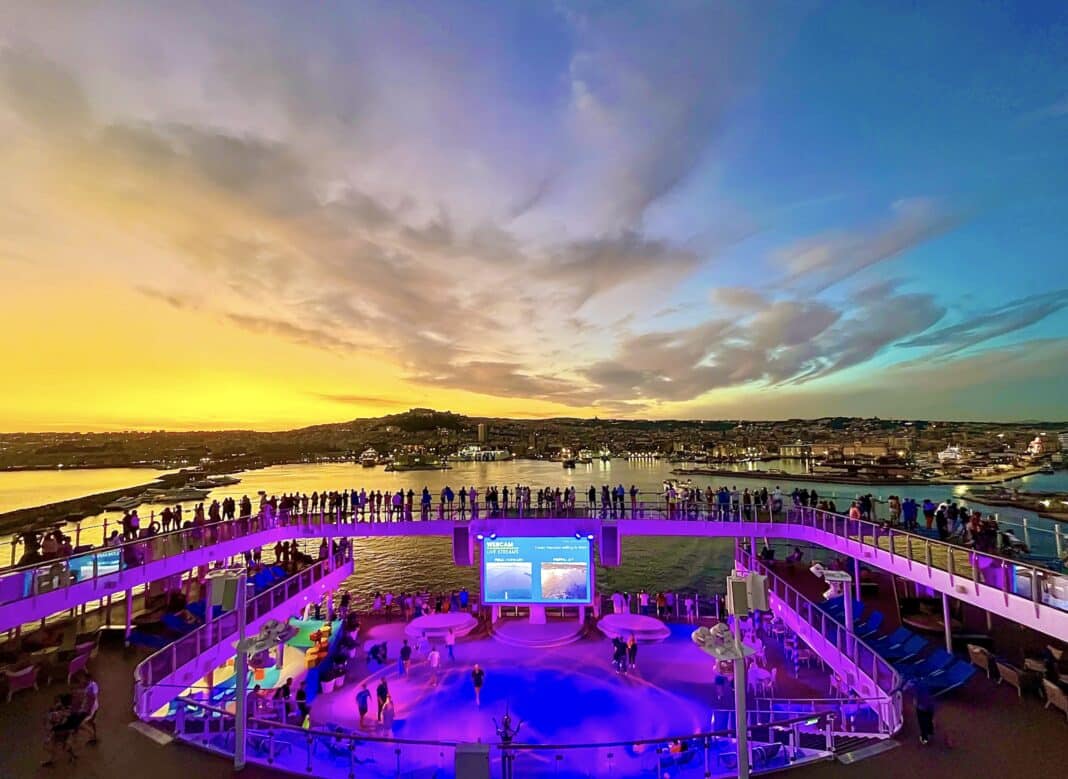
[645,209]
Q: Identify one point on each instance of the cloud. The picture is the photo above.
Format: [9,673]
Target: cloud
[823,261]
[1003,320]
[583,269]
[41,91]
[291,332]
[363,400]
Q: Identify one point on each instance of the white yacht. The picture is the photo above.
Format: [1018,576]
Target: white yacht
[478,454]
[369,458]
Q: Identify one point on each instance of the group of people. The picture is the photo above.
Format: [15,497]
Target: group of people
[953,522]
[624,654]
[71,714]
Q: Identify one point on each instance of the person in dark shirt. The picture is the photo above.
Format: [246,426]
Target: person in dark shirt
[478,677]
[382,694]
[363,702]
[405,658]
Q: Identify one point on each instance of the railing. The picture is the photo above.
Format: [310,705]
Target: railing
[166,661]
[1016,578]
[322,752]
[859,654]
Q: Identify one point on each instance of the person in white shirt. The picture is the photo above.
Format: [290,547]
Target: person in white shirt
[450,643]
[434,661]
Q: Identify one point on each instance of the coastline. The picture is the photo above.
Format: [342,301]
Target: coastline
[829,478]
[813,477]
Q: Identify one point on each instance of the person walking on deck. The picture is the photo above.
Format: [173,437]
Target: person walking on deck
[478,677]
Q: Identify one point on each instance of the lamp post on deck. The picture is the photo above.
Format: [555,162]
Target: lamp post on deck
[745,594]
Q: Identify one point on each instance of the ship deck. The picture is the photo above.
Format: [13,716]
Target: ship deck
[981,725]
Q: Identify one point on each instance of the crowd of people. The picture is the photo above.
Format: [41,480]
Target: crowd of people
[678,500]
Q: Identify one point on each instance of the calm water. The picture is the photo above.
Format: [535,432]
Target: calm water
[23,489]
[399,564]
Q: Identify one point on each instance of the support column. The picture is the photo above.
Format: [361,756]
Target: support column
[856,577]
[948,625]
[129,616]
[741,721]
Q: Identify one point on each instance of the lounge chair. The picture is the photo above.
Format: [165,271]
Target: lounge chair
[898,637]
[942,682]
[939,660]
[1010,674]
[76,666]
[870,626]
[981,658]
[22,679]
[764,755]
[910,648]
[1055,696]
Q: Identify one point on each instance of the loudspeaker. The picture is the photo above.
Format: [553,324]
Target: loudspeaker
[611,549]
[463,549]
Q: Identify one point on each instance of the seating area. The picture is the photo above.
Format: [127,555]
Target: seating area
[27,666]
[1045,678]
[913,656]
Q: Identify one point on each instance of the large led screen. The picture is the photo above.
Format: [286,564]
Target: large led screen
[537,570]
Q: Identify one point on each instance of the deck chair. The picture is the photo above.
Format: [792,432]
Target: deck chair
[871,625]
[942,682]
[981,658]
[939,660]
[1055,696]
[910,648]
[899,636]
[1010,674]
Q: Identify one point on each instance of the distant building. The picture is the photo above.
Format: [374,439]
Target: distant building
[1062,439]
[798,451]
[482,432]
[1037,447]
[865,450]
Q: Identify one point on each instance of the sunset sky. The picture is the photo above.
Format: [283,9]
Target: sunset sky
[276,214]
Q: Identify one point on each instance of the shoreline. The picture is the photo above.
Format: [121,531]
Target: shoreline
[827,478]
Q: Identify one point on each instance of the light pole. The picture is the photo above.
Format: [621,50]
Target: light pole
[744,594]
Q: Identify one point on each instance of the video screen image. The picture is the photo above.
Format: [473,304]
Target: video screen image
[535,570]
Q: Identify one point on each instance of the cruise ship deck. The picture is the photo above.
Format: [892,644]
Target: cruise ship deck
[581,718]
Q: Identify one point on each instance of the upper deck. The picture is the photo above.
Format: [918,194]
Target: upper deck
[1032,595]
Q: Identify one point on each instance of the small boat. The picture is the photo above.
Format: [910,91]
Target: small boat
[174,495]
[585,456]
[569,463]
[1046,469]
[369,458]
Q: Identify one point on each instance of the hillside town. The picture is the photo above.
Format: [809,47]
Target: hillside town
[872,448]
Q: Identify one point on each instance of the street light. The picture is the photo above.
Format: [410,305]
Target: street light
[271,635]
[744,594]
[838,585]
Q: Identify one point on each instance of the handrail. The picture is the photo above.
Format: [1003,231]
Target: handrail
[847,644]
[298,730]
[304,578]
[672,510]
[58,573]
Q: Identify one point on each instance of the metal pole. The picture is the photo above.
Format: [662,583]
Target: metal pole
[856,579]
[740,718]
[1057,540]
[947,626]
[241,677]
